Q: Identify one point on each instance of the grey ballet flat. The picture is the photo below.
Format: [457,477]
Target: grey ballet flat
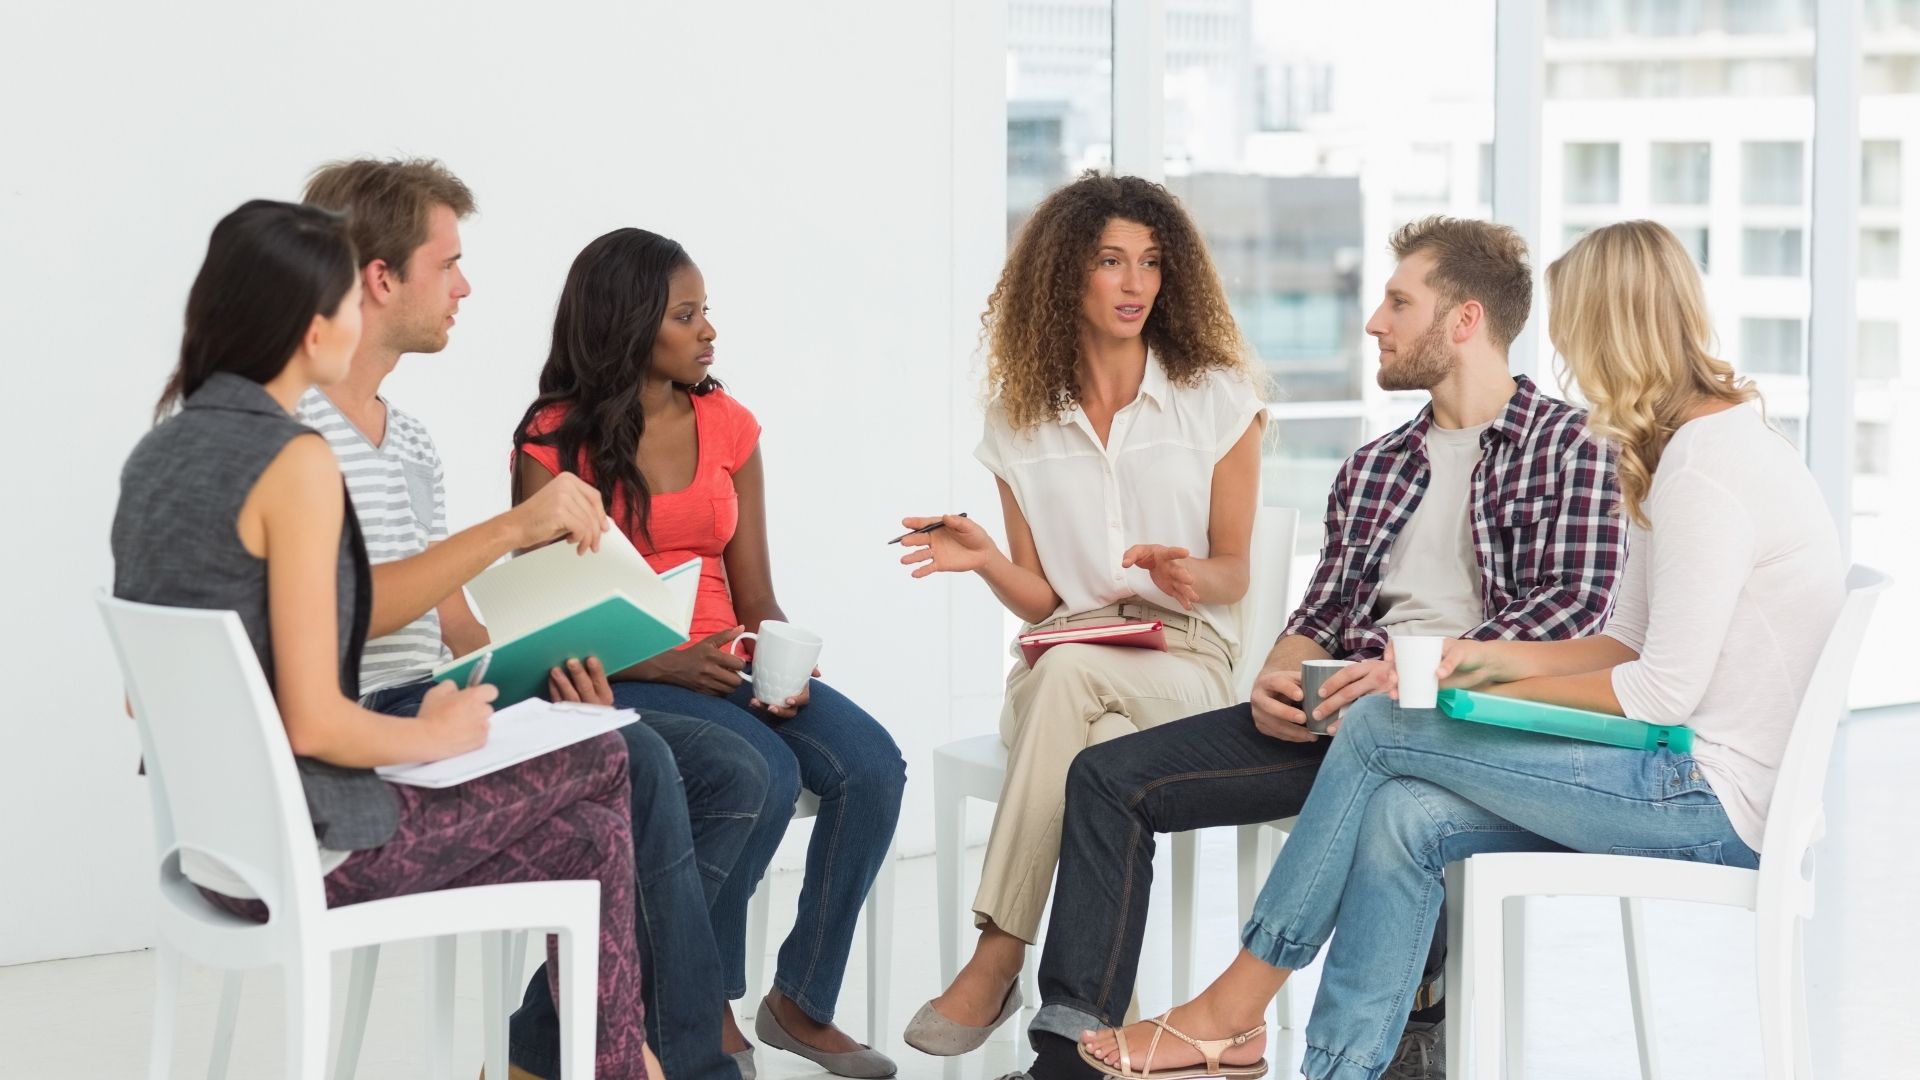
[865,1063]
[932,1033]
[744,1059]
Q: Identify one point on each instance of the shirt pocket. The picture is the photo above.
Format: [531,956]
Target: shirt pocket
[726,515]
[420,494]
[1524,533]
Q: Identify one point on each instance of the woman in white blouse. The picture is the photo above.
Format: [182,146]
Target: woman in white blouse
[1124,428]
[1734,578]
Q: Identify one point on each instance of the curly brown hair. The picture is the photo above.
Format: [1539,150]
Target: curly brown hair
[1032,323]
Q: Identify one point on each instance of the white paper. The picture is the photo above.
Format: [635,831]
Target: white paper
[518,733]
[541,587]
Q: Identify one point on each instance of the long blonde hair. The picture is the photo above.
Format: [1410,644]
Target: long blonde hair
[1032,323]
[1630,321]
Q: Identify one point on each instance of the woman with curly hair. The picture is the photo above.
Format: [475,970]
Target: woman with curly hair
[1123,427]
[1734,578]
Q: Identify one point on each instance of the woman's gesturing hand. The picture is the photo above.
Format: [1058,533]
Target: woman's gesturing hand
[1171,568]
[957,546]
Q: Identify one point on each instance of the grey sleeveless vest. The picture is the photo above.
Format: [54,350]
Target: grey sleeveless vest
[175,543]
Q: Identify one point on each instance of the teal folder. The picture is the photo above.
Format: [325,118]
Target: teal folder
[615,630]
[1568,723]
[553,605]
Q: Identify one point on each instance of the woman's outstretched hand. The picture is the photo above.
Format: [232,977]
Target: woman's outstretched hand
[957,546]
[1171,568]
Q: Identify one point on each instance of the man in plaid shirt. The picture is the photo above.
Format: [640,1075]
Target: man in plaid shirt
[1489,515]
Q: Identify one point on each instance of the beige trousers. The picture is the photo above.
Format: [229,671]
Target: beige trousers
[1076,696]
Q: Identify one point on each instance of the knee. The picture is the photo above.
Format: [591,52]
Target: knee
[1399,827]
[650,763]
[741,779]
[1094,772]
[782,773]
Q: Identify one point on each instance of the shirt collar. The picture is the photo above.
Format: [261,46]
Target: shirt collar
[1512,424]
[1154,386]
[225,390]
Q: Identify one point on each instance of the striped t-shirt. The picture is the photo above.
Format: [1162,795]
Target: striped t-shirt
[400,495]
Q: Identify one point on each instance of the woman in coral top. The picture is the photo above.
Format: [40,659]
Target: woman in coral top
[627,404]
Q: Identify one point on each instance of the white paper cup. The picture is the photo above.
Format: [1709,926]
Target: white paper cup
[1416,660]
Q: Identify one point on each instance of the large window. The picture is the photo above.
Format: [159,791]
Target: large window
[1297,196]
[1059,97]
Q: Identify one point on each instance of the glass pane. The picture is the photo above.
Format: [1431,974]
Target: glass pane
[1772,252]
[1886,405]
[1682,173]
[1773,346]
[1880,173]
[1593,174]
[1059,97]
[1771,173]
[1298,192]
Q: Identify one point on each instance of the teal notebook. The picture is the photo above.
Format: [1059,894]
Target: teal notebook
[1568,723]
[552,605]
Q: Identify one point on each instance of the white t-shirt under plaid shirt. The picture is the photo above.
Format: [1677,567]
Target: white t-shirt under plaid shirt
[399,493]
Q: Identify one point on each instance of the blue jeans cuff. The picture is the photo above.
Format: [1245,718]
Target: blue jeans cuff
[1320,1064]
[1066,1021]
[1276,950]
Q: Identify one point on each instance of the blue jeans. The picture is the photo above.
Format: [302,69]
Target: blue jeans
[838,752]
[696,791]
[1403,792]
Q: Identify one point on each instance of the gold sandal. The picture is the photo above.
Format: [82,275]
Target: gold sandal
[1211,1049]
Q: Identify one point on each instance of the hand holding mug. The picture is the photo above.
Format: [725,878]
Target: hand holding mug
[784,658]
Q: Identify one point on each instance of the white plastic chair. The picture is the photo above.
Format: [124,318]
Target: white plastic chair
[976,768]
[224,786]
[879,938]
[1484,974]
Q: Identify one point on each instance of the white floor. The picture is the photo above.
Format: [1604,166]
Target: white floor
[88,1018]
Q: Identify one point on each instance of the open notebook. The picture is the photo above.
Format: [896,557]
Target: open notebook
[518,733]
[550,605]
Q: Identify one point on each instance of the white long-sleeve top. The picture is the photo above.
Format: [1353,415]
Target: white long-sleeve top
[1728,599]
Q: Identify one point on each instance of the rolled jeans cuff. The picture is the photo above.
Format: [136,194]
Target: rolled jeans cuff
[1066,1021]
[1319,1064]
[1275,950]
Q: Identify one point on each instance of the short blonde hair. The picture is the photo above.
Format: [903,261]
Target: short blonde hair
[1629,320]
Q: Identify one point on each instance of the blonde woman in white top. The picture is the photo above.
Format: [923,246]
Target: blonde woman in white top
[1124,429]
[1734,578]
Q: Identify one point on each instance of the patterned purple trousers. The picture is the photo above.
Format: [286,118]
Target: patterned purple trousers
[561,816]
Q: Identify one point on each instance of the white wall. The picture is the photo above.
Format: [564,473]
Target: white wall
[837,173]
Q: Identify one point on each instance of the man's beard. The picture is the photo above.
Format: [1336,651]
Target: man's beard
[1423,365]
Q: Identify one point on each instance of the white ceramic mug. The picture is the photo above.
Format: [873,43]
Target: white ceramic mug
[1416,660]
[783,660]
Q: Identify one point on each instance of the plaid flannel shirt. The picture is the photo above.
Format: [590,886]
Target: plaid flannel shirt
[1545,535]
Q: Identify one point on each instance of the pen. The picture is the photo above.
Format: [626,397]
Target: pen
[922,529]
[479,672]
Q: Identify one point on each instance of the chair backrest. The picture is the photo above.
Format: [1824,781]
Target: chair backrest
[1794,817]
[1261,614]
[222,774]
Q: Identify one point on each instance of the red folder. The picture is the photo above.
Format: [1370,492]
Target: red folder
[1132,635]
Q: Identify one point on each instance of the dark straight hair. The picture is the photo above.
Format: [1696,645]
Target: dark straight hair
[603,333]
[270,268]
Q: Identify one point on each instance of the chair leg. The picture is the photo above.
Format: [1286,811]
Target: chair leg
[441,952]
[496,998]
[1774,960]
[880,953]
[1514,998]
[950,839]
[1184,886]
[309,1003]
[1485,938]
[1458,973]
[353,1023]
[757,914]
[579,954]
[224,1022]
[1802,1042]
[1633,931]
[166,993]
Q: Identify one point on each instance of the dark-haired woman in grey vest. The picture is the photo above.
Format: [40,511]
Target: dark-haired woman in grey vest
[232,504]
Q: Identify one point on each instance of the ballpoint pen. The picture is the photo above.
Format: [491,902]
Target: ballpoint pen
[922,529]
